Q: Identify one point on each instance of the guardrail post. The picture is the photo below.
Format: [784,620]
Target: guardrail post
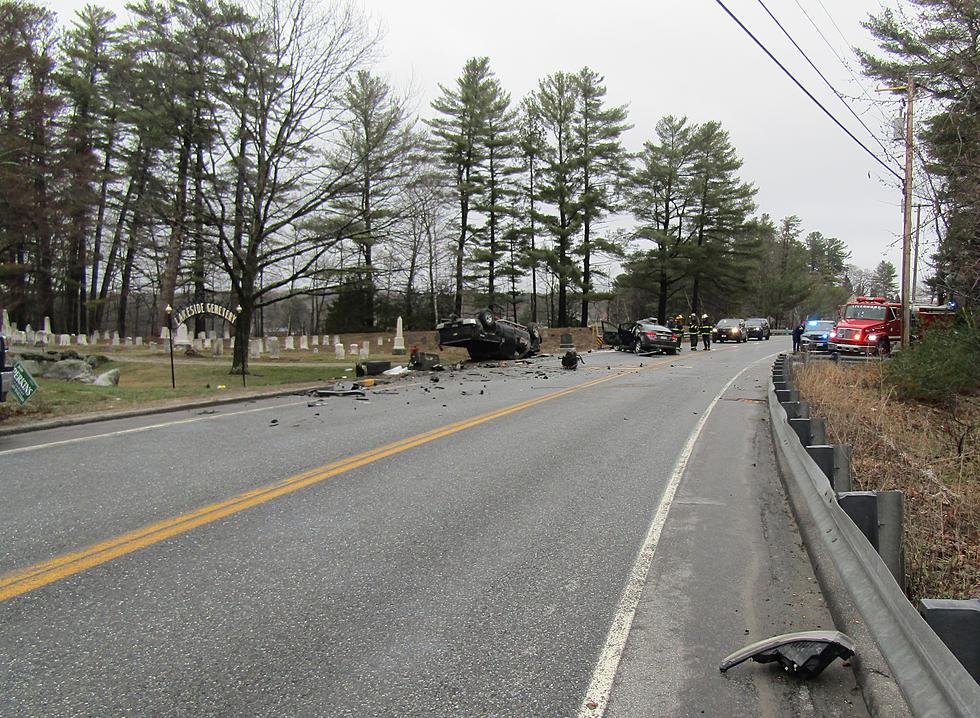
[823,456]
[957,623]
[842,467]
[796,409]
[783,395]
[891,507]
[802,428]
[818,430]
[862,508]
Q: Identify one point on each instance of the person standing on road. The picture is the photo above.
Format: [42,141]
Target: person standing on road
[677,327]
[797,335]
[706,328]
[693,328]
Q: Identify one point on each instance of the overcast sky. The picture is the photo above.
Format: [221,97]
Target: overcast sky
[684,57]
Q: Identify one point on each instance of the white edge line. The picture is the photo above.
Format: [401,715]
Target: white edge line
[138,429]
[600,686]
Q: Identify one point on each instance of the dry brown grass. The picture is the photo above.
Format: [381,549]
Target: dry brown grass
[929,452]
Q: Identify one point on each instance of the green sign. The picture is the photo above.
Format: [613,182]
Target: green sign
[23,385]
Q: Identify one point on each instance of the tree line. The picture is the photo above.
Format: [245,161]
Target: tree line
[204,151]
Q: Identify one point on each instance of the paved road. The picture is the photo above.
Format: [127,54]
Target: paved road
[515,541]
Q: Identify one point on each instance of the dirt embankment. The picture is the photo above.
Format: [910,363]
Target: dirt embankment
[931,453]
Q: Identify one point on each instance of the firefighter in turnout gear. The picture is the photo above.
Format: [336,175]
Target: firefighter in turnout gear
[693,328]
[677,326]
[706,328]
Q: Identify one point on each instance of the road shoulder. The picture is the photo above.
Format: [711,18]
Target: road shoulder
[730,569]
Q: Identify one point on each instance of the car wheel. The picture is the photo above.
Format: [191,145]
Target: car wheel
[885,347]
[672,351]
[638,347]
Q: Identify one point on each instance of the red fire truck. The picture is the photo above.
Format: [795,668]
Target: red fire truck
[872,326]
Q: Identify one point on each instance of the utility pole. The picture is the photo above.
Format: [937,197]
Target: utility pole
[915,258]
[907,223]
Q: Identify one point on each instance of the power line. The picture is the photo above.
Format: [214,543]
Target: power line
[808,93]
[823,77]
[830,45]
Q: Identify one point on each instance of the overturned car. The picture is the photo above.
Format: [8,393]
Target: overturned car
[488,337]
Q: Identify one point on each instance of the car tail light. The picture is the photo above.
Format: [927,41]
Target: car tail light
[650,334]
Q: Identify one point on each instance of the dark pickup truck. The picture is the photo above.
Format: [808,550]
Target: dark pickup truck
[6,372]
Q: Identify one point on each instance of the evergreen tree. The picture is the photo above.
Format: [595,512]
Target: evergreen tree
[721,249]
[659,197]
[376,141]
[532,146]
[883,282]
[459,133]
[496,201]
[935,44]
[602,163]
[561,181]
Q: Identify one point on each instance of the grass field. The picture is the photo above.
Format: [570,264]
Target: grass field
[148,383]
[931,452]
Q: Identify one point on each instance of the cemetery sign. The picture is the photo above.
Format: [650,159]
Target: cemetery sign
[192,310]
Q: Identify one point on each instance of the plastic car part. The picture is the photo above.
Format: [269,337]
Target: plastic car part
[804,654]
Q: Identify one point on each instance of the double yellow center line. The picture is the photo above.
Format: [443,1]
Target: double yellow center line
[40,574]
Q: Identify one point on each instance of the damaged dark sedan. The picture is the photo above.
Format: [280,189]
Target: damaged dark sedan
[487,336]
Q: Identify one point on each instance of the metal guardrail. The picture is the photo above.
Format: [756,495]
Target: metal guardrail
[903,667]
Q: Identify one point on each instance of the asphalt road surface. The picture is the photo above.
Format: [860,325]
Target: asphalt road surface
[507,541]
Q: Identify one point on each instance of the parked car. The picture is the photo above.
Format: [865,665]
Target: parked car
[487,336]
[6,372]
[757,328]
[816,335]
[729,329]
[648,337]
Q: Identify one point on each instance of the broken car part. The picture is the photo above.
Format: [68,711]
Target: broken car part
[804,654]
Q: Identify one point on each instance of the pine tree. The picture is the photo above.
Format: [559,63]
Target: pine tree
[659,197]
[561,181]
[459,134]
[601,162]
[495,201]
[377,140]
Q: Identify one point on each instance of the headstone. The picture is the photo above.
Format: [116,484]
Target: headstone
[29,335]
[365,349]
[326,340]
[139,341]
[212,335]
[115,339]
[207,344]
[288,345]
[4,322]
[64,340]
[399,344]
[316,350]
[153,347]
[165,333]
[202,336]
[182,339]
[255,348]
[381,341]
[217,347]
[227,332]
[272,346]
[354,350]
[304,343]
[82,340]
[231,342]
[338,350]
[129,341]
[315,340]
[96,337]
[197,345]
[47,325]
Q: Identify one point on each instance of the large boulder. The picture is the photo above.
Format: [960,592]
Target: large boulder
[109,378]
[96,360]
[34,368]
[70,370]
